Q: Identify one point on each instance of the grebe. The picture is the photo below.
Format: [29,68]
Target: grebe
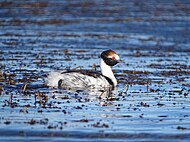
[84,79]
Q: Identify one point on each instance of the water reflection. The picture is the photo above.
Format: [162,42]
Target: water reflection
[151,36]
[88,95]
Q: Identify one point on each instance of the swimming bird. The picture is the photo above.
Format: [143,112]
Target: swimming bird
[86,79]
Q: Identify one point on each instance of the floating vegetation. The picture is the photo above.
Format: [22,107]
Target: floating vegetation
[151,101]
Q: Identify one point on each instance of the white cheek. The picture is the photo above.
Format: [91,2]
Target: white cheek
[117,57]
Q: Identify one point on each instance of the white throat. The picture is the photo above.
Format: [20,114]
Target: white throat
[107,71]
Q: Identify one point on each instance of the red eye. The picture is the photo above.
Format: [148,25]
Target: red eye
[113,58]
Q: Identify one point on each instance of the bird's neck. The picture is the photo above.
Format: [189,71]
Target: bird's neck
[107,71]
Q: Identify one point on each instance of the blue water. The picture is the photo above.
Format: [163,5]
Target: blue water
[152,98]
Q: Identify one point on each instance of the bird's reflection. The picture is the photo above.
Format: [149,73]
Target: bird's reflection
[102,96]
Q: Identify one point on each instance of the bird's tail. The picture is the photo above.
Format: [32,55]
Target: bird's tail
[53,79]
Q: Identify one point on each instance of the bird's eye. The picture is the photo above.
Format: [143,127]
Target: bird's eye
[113,58]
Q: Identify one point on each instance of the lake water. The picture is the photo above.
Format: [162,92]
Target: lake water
[152,100]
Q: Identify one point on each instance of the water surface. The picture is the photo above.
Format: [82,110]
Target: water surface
[152,98]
